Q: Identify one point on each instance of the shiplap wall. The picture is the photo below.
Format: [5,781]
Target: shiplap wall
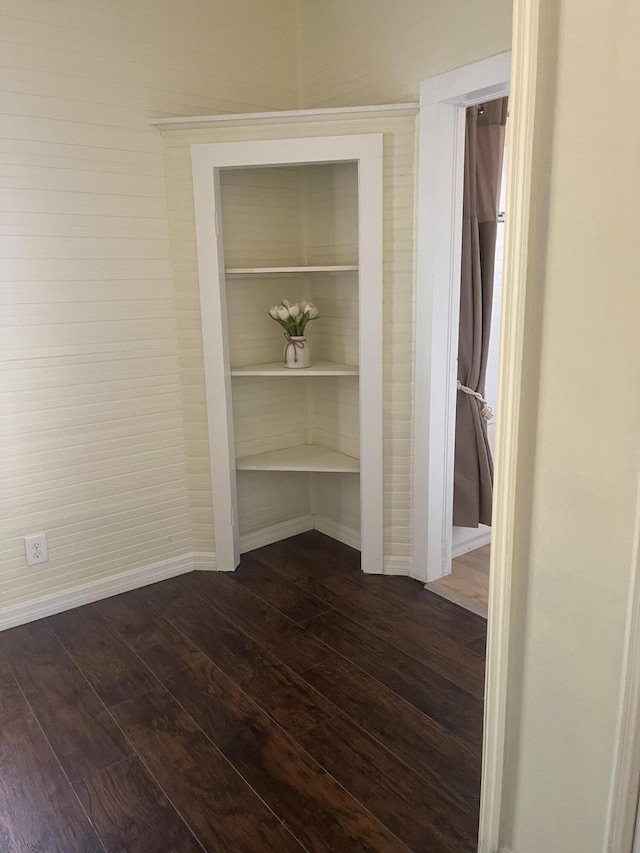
[377,52]
[93,431]
[399,151]
[262,224]
[332,218]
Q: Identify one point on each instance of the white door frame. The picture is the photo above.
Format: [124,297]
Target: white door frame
[207,159]
[443,101]
[440,212]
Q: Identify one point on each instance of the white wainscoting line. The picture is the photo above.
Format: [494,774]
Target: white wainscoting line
[400,566]
[205,561]
[276,532]
[56,602]
[344,534]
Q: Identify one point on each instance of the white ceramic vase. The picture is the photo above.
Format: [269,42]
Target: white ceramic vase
[297,354]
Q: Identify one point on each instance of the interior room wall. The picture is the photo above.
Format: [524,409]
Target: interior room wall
[93,442]
[376,52]
[580,452]
[398,209]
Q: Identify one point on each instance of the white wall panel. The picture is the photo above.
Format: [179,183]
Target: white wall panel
[269,414]
[91,392]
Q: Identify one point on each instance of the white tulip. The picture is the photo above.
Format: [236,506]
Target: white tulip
[313,312]
[283,313]
[294,310]
[273,312]
[286,303]
[304,306]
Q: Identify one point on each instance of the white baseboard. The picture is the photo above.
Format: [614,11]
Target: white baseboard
[344,534]
[469,541]
[276,532]
[56,602]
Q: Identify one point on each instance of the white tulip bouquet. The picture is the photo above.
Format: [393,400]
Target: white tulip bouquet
[294,318]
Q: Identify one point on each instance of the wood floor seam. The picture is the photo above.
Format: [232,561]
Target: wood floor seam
[385,639]
[177,701]
[64,773]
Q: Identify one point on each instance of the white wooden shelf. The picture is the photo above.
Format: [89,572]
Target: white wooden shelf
[248,272]
[277,368]
[303,457]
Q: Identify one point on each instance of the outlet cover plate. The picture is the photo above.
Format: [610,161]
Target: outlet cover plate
[35,548]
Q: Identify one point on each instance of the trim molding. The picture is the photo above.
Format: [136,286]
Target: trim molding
[471,542]
[344,534]
[56,602]
[443,102]
[274,533]
[523,103]
[284,117]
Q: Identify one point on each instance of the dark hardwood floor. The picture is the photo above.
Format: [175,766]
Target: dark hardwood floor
[294,705]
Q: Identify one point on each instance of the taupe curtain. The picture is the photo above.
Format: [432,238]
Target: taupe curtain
[473,477]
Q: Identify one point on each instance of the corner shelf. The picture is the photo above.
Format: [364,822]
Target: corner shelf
[249,272]
[276,368]
[303,457]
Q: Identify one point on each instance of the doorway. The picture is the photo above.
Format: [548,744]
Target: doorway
[468,583]
[443,103]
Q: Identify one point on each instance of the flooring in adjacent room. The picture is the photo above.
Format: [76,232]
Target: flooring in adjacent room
[294,705]
[468,583]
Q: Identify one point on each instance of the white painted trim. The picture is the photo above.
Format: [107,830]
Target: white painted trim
[522,114]
[370,241]
[443,101]
[480,81]
[344,534]
[285,152]
[206,190]
[284,117]
[625,779]
[437,307]
[475,539]
[207,161]
[57,602]
[274,533]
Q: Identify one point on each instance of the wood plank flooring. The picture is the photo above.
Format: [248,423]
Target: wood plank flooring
[468,583]
[295,705]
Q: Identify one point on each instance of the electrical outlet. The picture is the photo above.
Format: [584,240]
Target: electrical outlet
[35,548]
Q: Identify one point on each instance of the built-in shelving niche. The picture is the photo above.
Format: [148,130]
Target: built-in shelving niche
[297,218]
[292,232]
